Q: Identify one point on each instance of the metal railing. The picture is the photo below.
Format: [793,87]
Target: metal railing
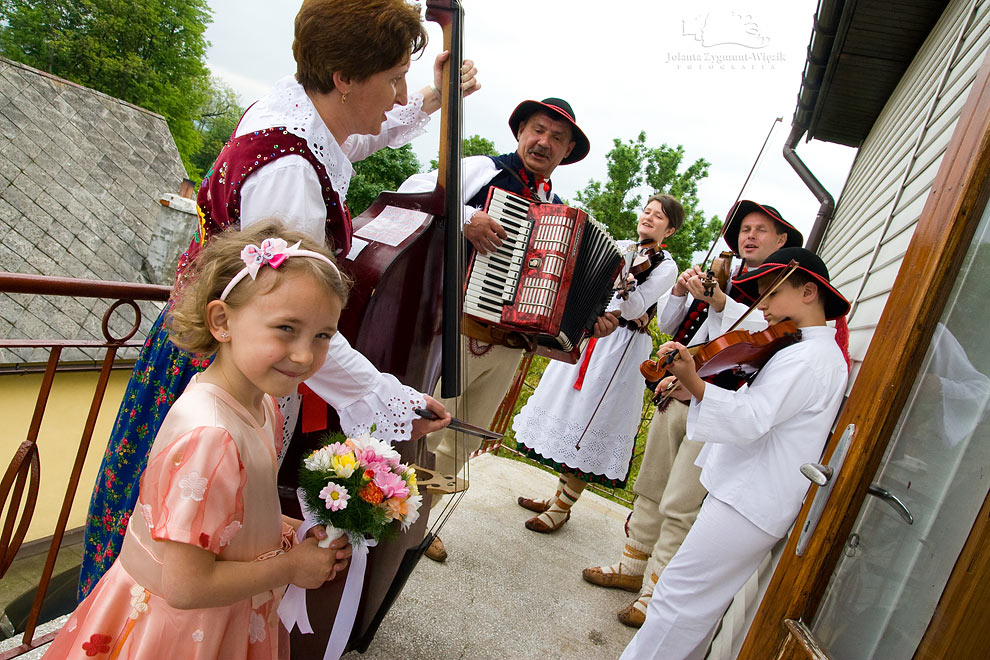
[21,483]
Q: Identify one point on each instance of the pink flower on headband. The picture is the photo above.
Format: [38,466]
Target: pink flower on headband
[272,252]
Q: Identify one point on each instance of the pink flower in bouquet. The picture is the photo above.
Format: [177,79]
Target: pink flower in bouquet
[336,496]
[382,450]
[338,448]
[371,460]
[391,484]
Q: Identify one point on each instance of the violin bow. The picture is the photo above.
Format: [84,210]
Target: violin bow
[661,398]
[710,276]
[781,277]
[745,183]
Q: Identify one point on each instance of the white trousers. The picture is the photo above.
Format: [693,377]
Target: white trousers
[717,557]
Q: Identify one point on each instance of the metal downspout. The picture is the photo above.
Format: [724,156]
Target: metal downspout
[825,199]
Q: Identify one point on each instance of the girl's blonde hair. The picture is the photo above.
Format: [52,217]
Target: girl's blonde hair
[216,265]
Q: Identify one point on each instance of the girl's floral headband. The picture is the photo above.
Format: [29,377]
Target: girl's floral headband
[273,251]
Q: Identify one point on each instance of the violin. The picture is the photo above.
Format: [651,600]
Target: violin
[641,257]
[718,272]
[736,350]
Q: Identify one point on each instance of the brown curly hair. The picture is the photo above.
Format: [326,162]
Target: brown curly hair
[220,261]
[356,38]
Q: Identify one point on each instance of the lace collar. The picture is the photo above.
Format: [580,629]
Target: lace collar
[288,105]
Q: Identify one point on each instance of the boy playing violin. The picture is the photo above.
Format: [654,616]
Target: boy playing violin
[751,468]
[668,489]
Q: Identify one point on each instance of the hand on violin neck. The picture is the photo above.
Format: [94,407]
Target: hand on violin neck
[696,287]
[680,286]
[683,367]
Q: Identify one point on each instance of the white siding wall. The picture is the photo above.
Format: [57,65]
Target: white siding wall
[893,167]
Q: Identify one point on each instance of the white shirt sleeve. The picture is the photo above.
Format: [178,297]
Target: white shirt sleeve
[289,190]
[364,396]
[782,390]
[476,173]
[672,312]
[400,127]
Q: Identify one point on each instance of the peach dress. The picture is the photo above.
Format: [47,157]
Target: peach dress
[210,463]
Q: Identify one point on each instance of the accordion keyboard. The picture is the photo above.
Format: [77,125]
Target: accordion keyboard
[495,276]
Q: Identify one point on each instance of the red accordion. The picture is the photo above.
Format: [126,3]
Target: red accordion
[548,282]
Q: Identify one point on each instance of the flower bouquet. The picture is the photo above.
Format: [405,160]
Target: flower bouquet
[358,486]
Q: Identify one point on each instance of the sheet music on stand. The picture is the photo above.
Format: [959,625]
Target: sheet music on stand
[392,226]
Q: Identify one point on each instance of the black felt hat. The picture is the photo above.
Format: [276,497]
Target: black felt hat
[555,108]
[745,207]
[835,303]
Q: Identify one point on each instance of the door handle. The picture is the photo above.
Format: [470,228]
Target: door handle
[823,476]
[895,503]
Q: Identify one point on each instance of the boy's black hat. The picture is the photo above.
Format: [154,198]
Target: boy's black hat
[835,303]
[745,207]
[560,109]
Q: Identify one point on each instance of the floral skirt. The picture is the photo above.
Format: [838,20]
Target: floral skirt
[161,373]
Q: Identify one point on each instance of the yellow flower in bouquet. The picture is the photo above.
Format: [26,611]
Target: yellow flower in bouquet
[344,464]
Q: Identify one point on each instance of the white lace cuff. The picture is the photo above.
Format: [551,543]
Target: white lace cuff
[405,123]
[389,407]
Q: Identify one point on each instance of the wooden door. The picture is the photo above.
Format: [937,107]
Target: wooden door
[944,258]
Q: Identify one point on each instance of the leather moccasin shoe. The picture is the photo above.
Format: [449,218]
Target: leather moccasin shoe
[539,506]
[631,616]
[436,551]
[596,575]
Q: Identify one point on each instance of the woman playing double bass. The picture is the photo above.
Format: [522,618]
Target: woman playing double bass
[290,157]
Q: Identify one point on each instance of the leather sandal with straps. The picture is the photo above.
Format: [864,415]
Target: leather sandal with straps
[536,525]
[539,506]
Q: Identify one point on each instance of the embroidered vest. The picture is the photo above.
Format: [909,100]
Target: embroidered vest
[506,181]
[219,200]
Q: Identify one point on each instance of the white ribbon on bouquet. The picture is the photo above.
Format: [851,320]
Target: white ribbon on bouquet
[292,610]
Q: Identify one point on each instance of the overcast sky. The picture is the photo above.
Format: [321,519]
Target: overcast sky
[710,75]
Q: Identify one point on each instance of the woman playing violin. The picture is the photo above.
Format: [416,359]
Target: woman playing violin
[582,419]
[750,464]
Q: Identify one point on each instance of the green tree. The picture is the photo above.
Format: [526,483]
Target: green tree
[217,120]
[635,171]
[383,170]
[472,146]
[146,52]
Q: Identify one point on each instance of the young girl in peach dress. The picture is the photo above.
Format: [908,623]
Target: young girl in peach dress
[207,554]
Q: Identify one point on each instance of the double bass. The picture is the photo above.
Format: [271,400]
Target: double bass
[403,314]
